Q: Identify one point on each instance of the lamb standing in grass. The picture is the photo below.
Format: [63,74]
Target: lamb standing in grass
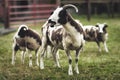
[97,33]
[26,39]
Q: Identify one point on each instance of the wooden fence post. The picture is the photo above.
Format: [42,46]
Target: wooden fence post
[6,14]
[112,9]
[89,10]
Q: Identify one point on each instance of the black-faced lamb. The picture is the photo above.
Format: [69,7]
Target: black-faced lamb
[26,39]
[72,36]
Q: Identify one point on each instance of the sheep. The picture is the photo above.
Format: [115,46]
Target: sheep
[50,37]
[26,39]
[72,36]
[97,33]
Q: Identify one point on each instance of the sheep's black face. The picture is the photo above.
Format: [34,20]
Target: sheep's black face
[58,17]
[62,17]
[22,31]
[102,28]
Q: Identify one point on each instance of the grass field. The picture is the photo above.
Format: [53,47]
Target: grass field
[92,64]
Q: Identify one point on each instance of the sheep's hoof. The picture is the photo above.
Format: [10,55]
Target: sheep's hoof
[55,65]
[70,73]
[30,65]
[37,64]
[107,51]
[41,67]
[76,70]
[13,63]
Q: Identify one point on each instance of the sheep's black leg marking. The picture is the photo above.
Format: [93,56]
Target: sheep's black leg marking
[70,72]
[70,61]
[16,48]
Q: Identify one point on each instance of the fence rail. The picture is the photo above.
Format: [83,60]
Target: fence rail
[16,12]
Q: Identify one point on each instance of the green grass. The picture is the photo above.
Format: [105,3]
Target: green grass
[92,64]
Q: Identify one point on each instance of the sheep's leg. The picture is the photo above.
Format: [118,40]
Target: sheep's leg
[23,56]
[54,53]
[57,54]
[105,46]
[30,58]
[98,46]
[36,54]
[14,57]
[48,52]
[76,59]
[42,51]
[15,49]
[81,48]
[70,72]
[41,59]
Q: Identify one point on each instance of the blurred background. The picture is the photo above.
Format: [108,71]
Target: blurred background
[15,12]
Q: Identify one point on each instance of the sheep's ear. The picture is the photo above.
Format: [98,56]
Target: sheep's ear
[63,17]
[105,25]
[96,25]
[63,13]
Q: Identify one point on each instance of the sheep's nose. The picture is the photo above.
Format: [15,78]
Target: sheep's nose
[101,34]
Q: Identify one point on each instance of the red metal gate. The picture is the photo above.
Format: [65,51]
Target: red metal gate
[25,11]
